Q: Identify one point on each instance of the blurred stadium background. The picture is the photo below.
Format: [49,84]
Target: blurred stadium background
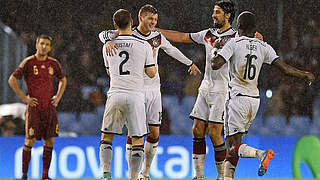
[289,109]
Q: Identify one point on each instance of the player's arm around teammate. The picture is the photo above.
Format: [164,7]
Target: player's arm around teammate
[111,49]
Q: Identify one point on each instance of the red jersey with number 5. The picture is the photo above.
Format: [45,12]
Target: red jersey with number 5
[39,76]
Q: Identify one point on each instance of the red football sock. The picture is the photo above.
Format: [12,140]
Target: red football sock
[46,158]
[26,156]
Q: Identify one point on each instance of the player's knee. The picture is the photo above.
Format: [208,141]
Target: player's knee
[29,142]
[198,131]
[153,135]
[214,135]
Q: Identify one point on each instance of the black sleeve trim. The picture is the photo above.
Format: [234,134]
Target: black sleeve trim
[275,60]
[149,65]
[192,39]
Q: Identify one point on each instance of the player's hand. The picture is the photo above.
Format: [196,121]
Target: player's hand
[258,36]
[194,70]
[310,77]
[218,43]
[55,101]
[33,102]
[111,48]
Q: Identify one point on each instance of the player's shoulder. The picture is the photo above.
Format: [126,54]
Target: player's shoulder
[26,60]
[54,60]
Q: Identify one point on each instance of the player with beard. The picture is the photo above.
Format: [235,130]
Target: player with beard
[209,106]
[148,18]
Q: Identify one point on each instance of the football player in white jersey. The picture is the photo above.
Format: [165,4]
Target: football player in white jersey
[125,103]
[245,56]
[148,17]
[208,109]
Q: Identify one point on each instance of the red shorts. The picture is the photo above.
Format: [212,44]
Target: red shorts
[41,123]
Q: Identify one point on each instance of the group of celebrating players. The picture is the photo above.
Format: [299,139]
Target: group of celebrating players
[228,97]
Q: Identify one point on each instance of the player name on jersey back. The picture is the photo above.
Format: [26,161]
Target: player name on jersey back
[126,67]
[124,44]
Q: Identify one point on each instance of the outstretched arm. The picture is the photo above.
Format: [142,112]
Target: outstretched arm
[294,72]
[176,36]
[178,55]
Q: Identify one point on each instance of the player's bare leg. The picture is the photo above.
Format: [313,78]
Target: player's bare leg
[150,149]
[46,157]
[136,157]
[199,147]
[214,132]
[26,155]
[106,154]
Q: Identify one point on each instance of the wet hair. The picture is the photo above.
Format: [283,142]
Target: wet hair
[147,9]
[122,18]
[228,7]
[44,36]
[247,22]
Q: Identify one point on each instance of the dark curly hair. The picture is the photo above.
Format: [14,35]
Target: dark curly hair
[228,7]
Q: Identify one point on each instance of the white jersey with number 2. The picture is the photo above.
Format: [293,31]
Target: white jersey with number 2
[127,66]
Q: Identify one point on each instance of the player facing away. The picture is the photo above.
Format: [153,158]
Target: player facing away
[148,17]
[39,71]
[208,109]
[125,103]
[245,56]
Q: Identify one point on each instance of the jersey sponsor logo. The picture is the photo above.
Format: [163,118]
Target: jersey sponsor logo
[43,66]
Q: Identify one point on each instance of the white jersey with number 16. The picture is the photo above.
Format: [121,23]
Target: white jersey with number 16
[245,57]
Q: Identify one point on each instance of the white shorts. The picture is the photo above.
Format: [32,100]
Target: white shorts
[125,109]
[153,107]
[239,113]
[209,106]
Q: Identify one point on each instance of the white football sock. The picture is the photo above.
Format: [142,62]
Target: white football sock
[136,161]
[198,164]
[128,155]
[150,149]
[228,170]
[246,151]
[105,156]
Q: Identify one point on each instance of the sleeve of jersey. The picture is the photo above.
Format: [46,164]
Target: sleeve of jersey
[59,72]
[108,35]
[271,55]
[227,50]
[105,57]
[174,52]
[19,72]
[149,59]
[198,37]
